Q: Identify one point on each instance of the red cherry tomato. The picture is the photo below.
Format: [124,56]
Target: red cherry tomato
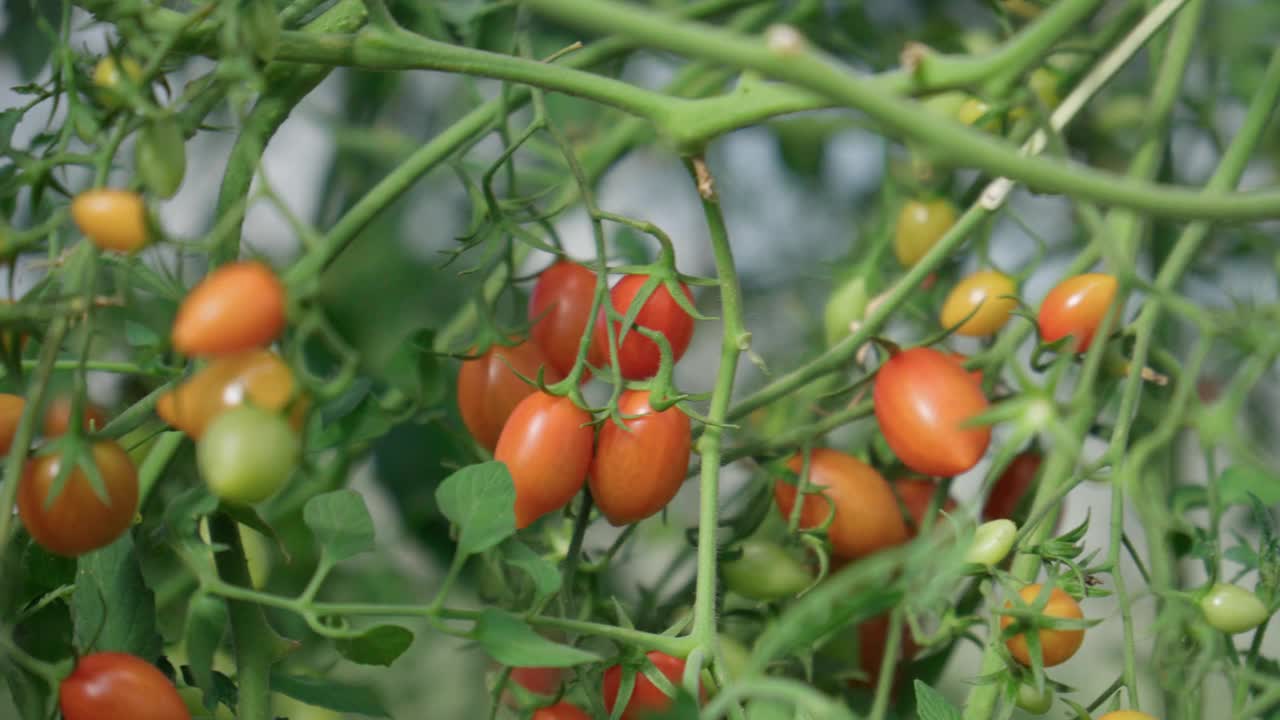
[489,388]
[546,445]
[866,519]
[1012,485]
[646,698]
[638,356]
[637,471]
[238,307]
[10,413]
[537,680]
[872,637]
[1056,646]
[921,398]
[561,711]
[119,686]
[57,417]
[258,377]
[1076,307]
[560,310]
[78,521]
[916,494]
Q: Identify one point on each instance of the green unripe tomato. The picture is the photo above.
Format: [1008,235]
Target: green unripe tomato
[847,304]
[735,655]
[1232,609]
[1036,702]
[992,541]
[765,572]
[247,454]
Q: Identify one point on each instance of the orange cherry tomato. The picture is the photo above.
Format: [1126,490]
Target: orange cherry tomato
[1057,646]
[1012,485]
[638,356]
[119,686]
[921,399]
[78,521]
[637,471]
[10,413]
[1076,307]
[921,224]
[866,518]
[111,219]
[916,495]
[872,637]
[646,698]
[1127,715]
[57,417]
[238,307]
[985,290]
[546,445]
[489,388]
[560,310]
[561,711]
[258,377]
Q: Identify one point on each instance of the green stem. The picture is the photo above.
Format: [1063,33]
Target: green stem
[250,633]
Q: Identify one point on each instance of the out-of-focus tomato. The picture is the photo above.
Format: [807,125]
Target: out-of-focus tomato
[1056,646]
[107,80]
[638,356]
[1232,609]
[1013,484]
[10,413]
[57,417]
[636,471]
[247,454]
[765,571]
[560,310]
[1036,702]
[866,517]
[546,445]
[78,521]
[992,541]
[1127,715]
[111,219]
[916,494]
[489,388]
[645,697]
[990,292]
[922,397]
[258,377]
[921,224]
[872,637]
[1076,307]
[116,686]
[236,308]
[560,711]
[960,359]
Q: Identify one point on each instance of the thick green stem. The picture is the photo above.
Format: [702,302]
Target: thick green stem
[250,633]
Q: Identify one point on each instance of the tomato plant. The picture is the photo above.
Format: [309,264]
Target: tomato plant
[1056,645]
[646,697]
[980,304]
[247,454]
[257,377]
[490,387]
[638,356]
[112,219]
[114,686]
[1075,307]
[77,519]
[765,571]
[921,224]
[236,308]
[560,312]
[546,445]
[639,466]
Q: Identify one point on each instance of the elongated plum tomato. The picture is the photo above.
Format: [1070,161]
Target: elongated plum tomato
[1013,484]
[247,454]
[560,711]
[765,571]
[1076,307]
[257,377]
[921,398]
[238,307]
[916,495]
[78,520]
[636,471]
[546,445]
[489,388]
[10,413]
[1056,645]
[921,223]
[115,686]
[866,518]
[560,310]
[638,356]
[873,635]
[646,697]
[111,219]
[57,417]
[543,681]
[986,294]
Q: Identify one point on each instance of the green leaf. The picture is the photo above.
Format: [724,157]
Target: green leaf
[111,607]
[341,524]
[480,500]
[1238,482]
[139,335]
[206,625]
[544,573]
[330,694]
[415,370]
[510,641]
[27,691]
[160,157]
[184,512]
[379,645]
[932,706]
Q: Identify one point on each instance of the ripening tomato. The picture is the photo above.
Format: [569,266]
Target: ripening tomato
[106,78]
[57,417]
[111,219]
[990,292]
[114,686]
[873,634]
[638,356]
[765,571]
[546,445]
[560,310]
[960,359]
[1056,645]
[77,520]
[1013,484]
[1127,715]
[259,377]
[247,454]
[866,518]
[560,711]
[922,397]
[636,471]
[916,494]
[489,388]
[238,307]
[646,698]
[10,413]
[1076,307]
[921,224]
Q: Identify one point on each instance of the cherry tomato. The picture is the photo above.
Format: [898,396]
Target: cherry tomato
[489,388]
[921,399]
[636,471]
[872,637]
[866,518]
[57,417]
[10,413]
[238,307]
[560,310]
[1013,484]
[765,571]
[247,454]
[257,377]
[546,445]
[1232,609]
[1036,702]
[921,223]
[111,219]
[106,78]
[638,356]
[986,291]
[115,686]
[846,305]
[560,711]
[1127,715]
[1076,307]
[992,541]
[537,680]
[11,340]
[916,494]
[646,698]
[78,520]
[1057,646]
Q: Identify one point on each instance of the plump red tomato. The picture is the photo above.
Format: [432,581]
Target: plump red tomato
[537,680]
[238,307]
[1012,485]
[57,417]
[561,711]
[921,399]
[78,521]
[638,356]
[258,377]
[560,310]
[921,224]
[546,445]
[10,413]
[986,294]
[645,696]
[916,494]
[866,518]
[1057,646]
[636,471]
[116,686]
[872,637]
[1076,307]
[489,388]
[111,219]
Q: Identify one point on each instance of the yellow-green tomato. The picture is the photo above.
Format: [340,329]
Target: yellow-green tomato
[765,572]
[1232,609]
[1036,702]
[992,541]
[846,305]
[980,304]
[106,77]
[247,454]
[921,223]
[735,655]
